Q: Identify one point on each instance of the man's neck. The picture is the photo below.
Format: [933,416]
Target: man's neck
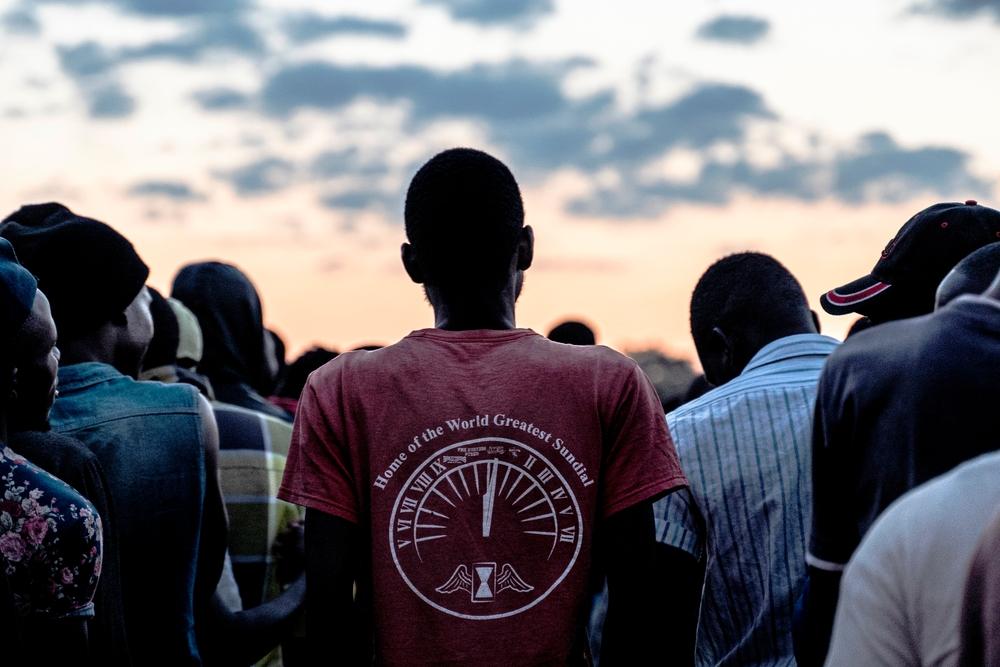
[468,314]
[465,321]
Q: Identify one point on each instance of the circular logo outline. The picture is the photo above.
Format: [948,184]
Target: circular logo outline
[519,610]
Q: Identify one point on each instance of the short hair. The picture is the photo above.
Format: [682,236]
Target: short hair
[572,332]
[970,276]
[298,371]
[747,290]
[463,214]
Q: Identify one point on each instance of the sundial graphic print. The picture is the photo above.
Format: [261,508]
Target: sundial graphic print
[485,529]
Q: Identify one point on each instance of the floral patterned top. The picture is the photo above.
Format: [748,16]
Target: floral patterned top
[50,541]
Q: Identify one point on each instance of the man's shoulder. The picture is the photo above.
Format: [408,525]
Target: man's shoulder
[878,341]
[531,349]
[943,501]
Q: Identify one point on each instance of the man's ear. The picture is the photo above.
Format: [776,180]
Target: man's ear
[411,263]
[724,347]
[816,322]
[525,248]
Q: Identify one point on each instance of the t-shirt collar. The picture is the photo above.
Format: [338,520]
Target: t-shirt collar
[789,347]
[468,335]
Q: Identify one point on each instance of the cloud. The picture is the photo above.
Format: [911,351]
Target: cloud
[876,169]
[220,98]
[108,101]
[309,27]
[168,189]
[537,127]
[495,12]
[879,168]
[515,90]
[734,29]
[168,8]
[260,177]
[345,162]
[959,9]
[361,199]
[21,21]
[83,60]
[90,59]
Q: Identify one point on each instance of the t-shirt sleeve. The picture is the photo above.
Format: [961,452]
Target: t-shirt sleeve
[834,534]
[318,473]
[871,626]
[679,524]
[640,462]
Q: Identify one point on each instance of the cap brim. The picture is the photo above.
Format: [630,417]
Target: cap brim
[858,296]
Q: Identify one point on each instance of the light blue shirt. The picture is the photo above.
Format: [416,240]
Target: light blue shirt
[746,450]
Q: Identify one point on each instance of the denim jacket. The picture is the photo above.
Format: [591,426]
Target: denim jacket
[148,437]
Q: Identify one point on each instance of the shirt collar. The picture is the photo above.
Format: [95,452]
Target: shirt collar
[78,376]
[790,347]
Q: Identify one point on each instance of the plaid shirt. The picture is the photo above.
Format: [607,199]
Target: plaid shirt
[252,451]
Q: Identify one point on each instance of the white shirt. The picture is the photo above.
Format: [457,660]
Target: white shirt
[901,596]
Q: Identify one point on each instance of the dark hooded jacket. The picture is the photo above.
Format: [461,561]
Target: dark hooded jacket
[232,325]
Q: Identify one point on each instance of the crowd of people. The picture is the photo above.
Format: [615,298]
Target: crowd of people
[175,494]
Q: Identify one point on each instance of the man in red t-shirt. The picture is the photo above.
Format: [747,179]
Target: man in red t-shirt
[474,480]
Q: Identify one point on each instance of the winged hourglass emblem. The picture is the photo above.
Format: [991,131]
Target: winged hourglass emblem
[488,584]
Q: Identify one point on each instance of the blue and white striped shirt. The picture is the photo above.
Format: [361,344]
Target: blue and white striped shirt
[746,450]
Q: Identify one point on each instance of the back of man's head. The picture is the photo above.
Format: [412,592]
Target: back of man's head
[162,350]
[463,216]
[572,332]
[230,316]
[89,271]
[741,303]
[970,276]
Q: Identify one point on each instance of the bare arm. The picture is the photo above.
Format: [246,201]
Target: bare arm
[642,575]
[214,523]
[814,616]
[336,628]
[242,638]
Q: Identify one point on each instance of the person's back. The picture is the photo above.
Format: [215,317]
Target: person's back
[252,451]
[901,595]
[480,454]
[148,438]
[745,447]
[980,646]
[898,405]
[465,476]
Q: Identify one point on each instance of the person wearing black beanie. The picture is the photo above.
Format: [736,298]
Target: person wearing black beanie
[89,272]
[157,443]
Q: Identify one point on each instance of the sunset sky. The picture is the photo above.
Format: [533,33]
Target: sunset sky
[650,138]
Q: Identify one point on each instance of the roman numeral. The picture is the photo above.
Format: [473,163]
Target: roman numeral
[423,481]
[437,468]
[545,475]
[567,534]
[559,493]
[409,504]
[567,510]
[403,525]
[530,461]
[402,543]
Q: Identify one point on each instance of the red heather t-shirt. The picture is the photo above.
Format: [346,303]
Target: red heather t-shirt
[481,461]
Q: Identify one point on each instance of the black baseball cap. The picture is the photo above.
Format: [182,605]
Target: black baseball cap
[917,259]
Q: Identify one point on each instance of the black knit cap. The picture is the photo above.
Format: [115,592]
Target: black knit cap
[89,272]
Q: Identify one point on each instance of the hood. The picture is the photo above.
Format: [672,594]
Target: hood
[232,324]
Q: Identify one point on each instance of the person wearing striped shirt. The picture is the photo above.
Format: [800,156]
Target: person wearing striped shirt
[745,447]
